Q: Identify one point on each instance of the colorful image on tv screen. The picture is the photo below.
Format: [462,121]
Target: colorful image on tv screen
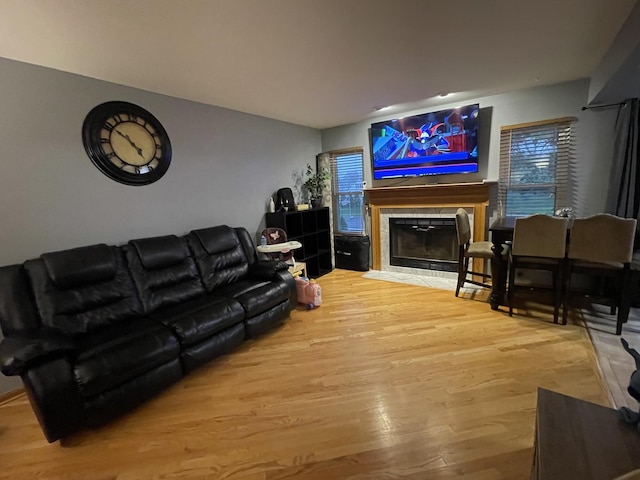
[429,144]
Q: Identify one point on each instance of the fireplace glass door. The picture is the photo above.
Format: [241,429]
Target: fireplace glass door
[429,243]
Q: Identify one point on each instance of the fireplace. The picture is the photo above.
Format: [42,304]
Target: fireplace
[424,242]
[421,201]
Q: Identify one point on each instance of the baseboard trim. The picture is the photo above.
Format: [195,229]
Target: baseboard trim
[11,395]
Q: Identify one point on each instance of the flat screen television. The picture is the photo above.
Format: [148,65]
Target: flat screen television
[434,143]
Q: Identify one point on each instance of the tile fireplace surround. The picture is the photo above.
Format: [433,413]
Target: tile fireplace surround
[431,200]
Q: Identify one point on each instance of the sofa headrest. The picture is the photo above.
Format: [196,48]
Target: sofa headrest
[217,239]
[80,266]
[160,252]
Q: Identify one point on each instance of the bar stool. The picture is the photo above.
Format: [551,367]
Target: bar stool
[468,250]
[539,243]
[602,246]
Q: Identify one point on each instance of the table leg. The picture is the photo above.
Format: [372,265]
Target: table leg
[498,271]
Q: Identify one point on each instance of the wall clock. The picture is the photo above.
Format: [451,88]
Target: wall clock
[126,143]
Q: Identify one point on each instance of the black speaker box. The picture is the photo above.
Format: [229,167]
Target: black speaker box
[352,252]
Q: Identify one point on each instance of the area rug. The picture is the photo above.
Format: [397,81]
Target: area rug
[615,364]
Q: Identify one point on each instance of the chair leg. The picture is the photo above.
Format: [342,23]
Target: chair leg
[562,276]
[623,315]
[624,303]
[567,291]
[462,272]
[623,310]
[466,271]
[511,286]
[556,294]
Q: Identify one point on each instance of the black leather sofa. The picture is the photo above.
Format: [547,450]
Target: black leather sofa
[95,331]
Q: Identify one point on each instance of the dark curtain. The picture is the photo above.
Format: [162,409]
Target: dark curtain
[624,186]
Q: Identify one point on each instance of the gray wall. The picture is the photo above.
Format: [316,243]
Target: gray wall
[225,165]
[617,77]
[594,137]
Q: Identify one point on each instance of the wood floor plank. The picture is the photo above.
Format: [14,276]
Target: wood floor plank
[383,381]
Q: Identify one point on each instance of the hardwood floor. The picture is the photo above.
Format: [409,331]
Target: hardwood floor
[384,381]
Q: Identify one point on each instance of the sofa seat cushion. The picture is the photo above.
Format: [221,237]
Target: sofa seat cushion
[256,296]
[111,356]
[198,319]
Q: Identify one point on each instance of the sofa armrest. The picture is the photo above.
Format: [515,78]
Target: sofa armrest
[20,352]
[55,399]
[266,270]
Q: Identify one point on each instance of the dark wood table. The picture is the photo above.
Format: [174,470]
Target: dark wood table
[576,439]
[501,233]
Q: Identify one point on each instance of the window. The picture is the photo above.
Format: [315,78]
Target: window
[534,167]
[346,189]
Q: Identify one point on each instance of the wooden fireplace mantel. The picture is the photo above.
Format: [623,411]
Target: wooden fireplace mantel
[471,196]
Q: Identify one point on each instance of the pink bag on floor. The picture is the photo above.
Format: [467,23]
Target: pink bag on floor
[309,292]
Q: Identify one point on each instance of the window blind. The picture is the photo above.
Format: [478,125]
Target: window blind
[347,176]
[534,167]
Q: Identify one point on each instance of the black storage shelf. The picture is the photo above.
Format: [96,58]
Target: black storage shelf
[313,230]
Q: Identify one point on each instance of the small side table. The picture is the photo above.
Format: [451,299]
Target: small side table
[580,440]
[298,268]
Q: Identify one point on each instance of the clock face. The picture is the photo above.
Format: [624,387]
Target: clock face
[126,143]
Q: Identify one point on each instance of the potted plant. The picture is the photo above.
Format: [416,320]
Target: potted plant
[315,183]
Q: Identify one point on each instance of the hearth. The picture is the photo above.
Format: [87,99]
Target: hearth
[428,243]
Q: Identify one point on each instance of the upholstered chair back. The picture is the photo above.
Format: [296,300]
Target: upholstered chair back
[83,289]
[463,226]
[540,236]
[602,238]
[163,270]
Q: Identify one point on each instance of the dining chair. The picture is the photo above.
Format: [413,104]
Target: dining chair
[468,250]
[539,243]
[601,247]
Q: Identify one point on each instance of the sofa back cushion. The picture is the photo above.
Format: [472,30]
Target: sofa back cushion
[17,308]
[220,254]
[163,270]
[83,289]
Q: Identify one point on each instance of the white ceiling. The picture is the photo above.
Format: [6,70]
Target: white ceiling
[320,63]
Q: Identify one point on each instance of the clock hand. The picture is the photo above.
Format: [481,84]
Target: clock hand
[139,150]
[125,136]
